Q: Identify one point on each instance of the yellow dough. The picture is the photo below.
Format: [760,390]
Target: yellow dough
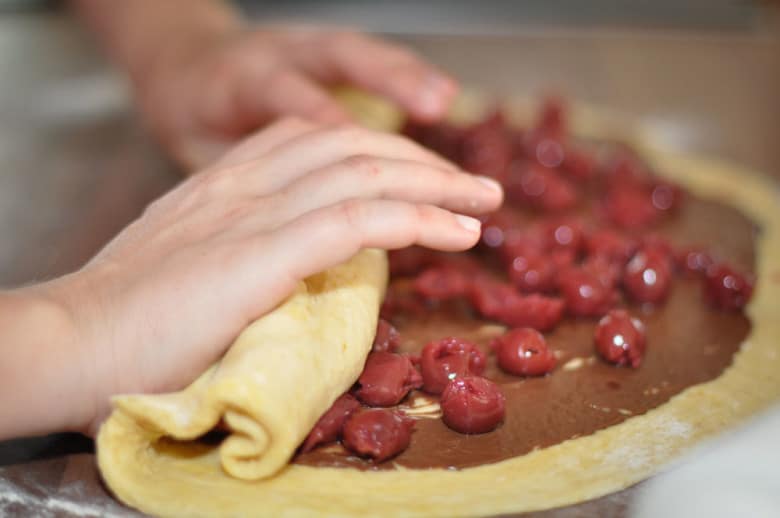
[284,371]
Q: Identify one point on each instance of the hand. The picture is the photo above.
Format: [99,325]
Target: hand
[208,92]
[165,299]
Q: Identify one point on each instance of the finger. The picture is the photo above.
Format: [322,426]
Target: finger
[265,93]
[393,71]
[368,177]
[334,234]
[324,147]
[263,141]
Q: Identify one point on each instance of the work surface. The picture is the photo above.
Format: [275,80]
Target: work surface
[75,165]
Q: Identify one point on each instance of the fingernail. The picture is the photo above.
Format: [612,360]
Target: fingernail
[489,182]
[470,224]
[430,102]
[442,84]
[432,93]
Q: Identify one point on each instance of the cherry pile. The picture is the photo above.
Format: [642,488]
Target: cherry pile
[587,250]
[450,368]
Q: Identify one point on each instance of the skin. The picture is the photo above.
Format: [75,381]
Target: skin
[141,315]
[203,78]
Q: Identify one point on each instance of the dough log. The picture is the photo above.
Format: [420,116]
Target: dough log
[272,385]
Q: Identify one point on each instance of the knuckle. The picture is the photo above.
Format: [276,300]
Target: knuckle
[424,214]
[351,212]
[344,134]
[217,183]
[237,212]
[361,164]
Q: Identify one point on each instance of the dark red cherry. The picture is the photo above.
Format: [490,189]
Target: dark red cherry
[726,288]
[486,148]
[539,187]
[472,405]
[532,273]
[442,283]
[620,338]
[524,352]
[386,379]
[536,311]
[630,206]
[328,428]
[567,234]
[611,245]
[489,296]
[578,163]
[693,260]
[387,338]
[648,276]
[449,358]
[378,433]
[587,293]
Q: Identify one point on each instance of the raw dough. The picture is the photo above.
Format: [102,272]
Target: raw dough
[176,479]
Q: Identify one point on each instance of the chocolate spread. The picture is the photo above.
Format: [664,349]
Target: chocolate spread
[688,343]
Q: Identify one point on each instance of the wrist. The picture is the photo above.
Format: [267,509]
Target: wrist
[73,302]
[46,383]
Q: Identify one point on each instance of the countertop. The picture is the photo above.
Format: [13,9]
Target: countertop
[76,165]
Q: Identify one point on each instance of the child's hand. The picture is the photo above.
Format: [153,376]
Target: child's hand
[202,94]
[163,300]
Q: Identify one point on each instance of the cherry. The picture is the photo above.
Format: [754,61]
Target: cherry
[648,276]
[489,296]
[329,426]
[578,163]
[552,116]
[666,196]
[532,273]
[410,260]
[626,170]
[472,405]
[528,241]
[611,245]
[586,293]
[443,138]
[693,260]
[657,244]
[498,227]
[447,359]
[501,302]
[549,152]
[524,352]
[486,148]
[386,379]
[537,311]
[442,283]
[608,271]
[378,433]
[540,187]
[726,288]
[387,338]
[567,234]
[630,207]
[399,302]
[620,339]
[562,258]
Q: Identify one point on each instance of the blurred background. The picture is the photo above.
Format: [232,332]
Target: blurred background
[694,75]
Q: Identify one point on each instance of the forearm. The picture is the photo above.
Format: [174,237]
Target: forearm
[137,34]
[44,376]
